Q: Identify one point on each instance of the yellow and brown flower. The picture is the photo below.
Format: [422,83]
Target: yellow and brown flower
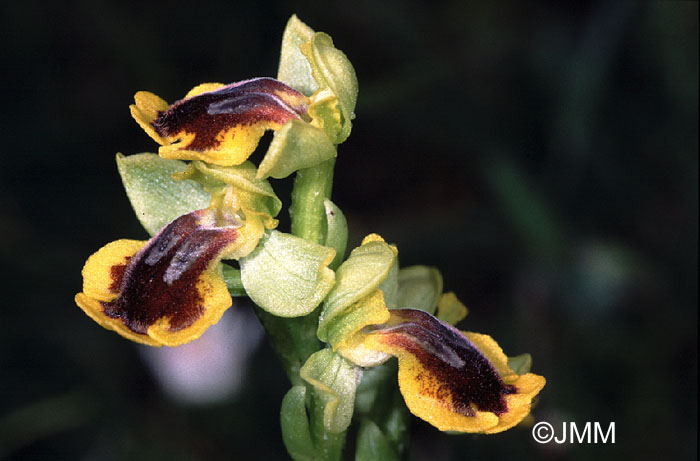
[456,381]
[166,291]
[216,123]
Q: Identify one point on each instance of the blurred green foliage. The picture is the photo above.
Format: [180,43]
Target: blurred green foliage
[543,156]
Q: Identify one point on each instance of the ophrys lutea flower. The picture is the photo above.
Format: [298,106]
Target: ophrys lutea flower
[457,381]
[165,291]
[216,123]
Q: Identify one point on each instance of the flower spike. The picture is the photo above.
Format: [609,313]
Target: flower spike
[166,291]
[219,124]
[455,381]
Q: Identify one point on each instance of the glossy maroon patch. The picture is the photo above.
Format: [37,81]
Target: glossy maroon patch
[463,371]
[160,281]
[239,104]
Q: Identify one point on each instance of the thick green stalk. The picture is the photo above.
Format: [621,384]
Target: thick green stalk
[232,277]
[311,187]
[329,445]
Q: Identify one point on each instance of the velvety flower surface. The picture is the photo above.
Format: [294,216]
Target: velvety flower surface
[216,123]
[456,381]
[165,291]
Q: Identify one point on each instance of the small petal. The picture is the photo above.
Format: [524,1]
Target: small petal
[455,382]
[368,266]
[450,309]
[295,146]
[166,291]
[218,124]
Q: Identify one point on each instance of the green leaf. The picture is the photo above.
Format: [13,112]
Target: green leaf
[294,68]
[335,380]
[420,287]
[362,273]
[287,276]
[372,445]
[155,196]
[295,425]
[520,364]
[295,146]
[332,69]
[337,232]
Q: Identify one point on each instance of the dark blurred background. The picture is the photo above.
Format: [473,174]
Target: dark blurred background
[543,156]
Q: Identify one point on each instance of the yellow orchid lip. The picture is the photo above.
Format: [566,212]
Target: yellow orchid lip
[220,124]
[166,291]
[461,369]
[455,381]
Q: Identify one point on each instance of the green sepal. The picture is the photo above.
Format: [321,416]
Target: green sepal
[336,232]
[420,287]
[294,422]
[287,276]
[294,68]
[295,146]
[372,444]
[332,69]
[390,286]
[362,273]
[450,309]
[157,198]
[335,380]
[520,364]
[243,177]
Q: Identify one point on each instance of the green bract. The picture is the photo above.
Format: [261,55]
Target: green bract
[373,445]
[366,268]
[155,196]
[420,287]
[287,276]
[294,146]
[295,425]
[336,380]
[336,232]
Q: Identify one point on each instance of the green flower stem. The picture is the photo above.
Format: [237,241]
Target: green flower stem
[293,339]
[311,187]
[379,400]
[232,277]
[329,445]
